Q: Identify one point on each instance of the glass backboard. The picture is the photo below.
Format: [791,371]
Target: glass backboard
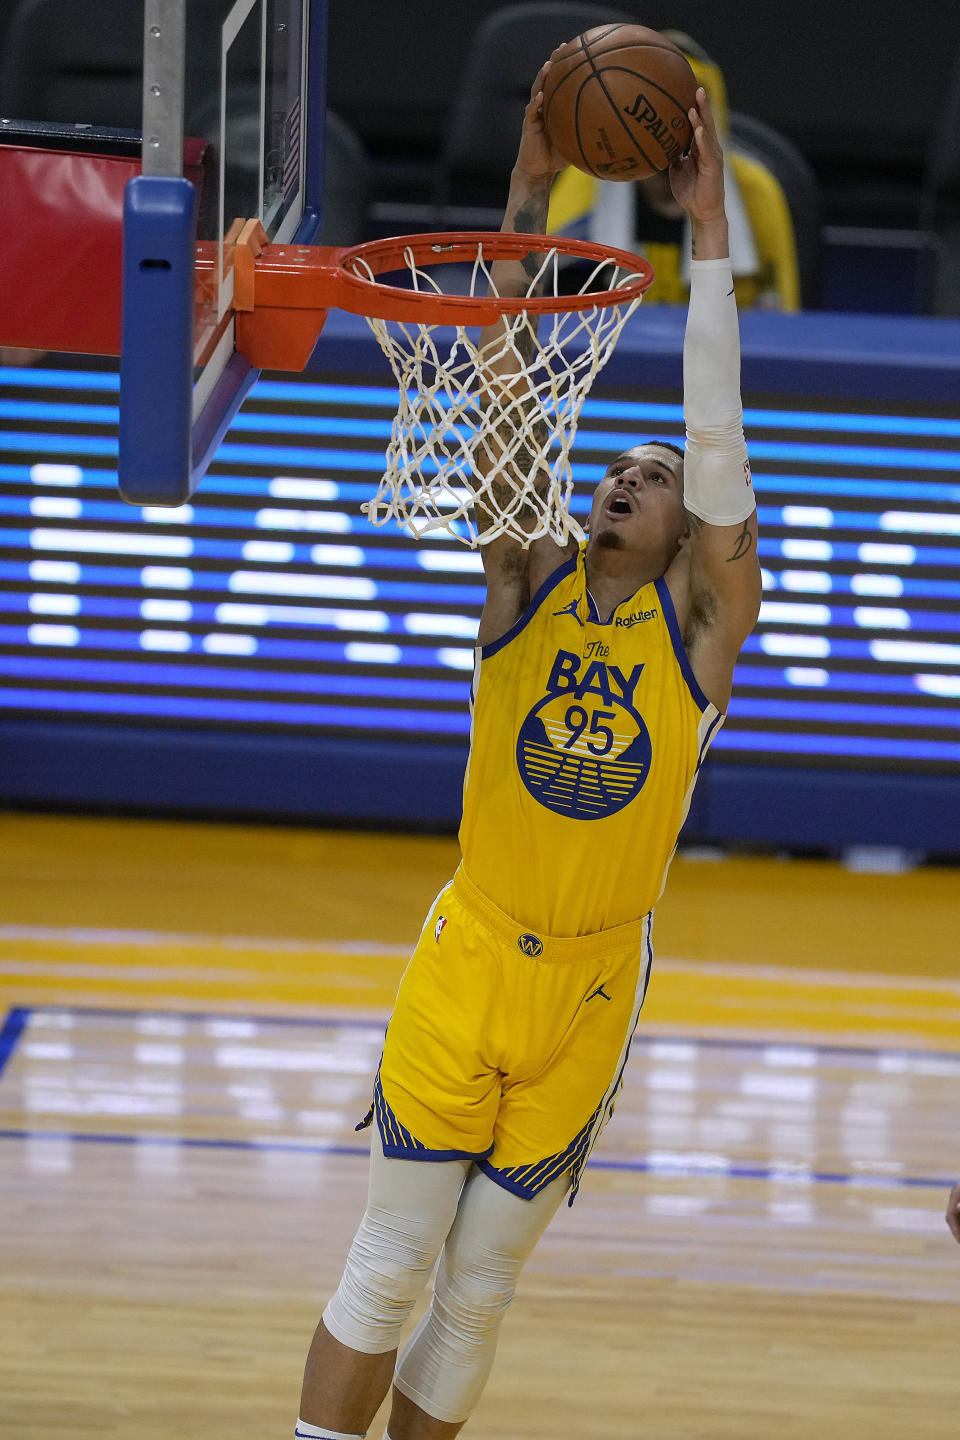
[249,73]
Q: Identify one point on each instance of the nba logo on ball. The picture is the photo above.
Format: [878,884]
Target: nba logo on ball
[531,945]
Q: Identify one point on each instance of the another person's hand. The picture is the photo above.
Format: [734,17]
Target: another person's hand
[696,178]
[953,1212]
[538,159]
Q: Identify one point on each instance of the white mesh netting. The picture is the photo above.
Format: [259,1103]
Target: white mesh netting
[480,444]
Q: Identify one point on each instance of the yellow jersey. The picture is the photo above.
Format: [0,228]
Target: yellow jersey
[586,740]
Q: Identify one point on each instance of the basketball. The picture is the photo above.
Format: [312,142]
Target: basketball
[615,101]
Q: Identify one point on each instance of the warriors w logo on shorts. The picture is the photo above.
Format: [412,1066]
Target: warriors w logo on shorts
[493,1053]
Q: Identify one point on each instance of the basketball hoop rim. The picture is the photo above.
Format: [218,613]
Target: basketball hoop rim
[361,295]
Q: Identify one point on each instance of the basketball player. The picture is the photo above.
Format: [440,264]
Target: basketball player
[603,673]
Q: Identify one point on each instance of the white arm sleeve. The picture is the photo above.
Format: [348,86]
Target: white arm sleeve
[717,486]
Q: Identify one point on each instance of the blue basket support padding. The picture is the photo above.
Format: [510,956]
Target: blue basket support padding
[156,360]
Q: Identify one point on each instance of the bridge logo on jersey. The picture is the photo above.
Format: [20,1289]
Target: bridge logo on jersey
[583,751]
[531,945]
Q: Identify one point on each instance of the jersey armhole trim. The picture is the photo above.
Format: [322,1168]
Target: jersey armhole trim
[679,649]
[564,569]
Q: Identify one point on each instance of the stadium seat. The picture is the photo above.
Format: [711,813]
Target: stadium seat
[346,185]
[939,218]
[480,136]
[64,60]
[755,145]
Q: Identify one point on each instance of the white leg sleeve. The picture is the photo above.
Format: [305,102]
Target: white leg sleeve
[411,1205]
[445,1366]
[717,485]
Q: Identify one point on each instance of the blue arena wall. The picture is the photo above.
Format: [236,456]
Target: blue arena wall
[844,727]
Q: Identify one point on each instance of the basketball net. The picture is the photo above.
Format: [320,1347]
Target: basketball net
[480,444]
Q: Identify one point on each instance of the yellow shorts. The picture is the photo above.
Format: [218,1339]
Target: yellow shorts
[506,1047]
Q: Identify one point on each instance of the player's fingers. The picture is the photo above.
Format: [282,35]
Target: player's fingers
[704,106]
[706,116]
[537,86]
[533,107]
[697,151]
[705,142]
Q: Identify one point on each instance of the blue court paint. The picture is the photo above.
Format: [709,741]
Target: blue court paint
[10,1032]
[638,1167]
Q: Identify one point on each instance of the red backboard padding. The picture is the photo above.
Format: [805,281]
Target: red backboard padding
[60,246]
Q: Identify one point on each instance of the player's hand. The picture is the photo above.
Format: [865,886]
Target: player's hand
[696,178]
[537,159]
[953,1212]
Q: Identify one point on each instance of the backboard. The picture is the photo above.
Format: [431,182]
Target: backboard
[244,80]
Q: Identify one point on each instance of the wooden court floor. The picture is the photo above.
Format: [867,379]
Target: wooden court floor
[189,1019]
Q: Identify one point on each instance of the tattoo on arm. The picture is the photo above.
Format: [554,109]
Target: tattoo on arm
[743,544]
[525,340]
[531,219]
[531,216]
[505,492]
[516,444]
[531,265]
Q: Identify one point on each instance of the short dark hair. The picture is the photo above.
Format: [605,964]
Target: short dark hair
[665,445]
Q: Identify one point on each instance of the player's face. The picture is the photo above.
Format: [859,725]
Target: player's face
[639,502]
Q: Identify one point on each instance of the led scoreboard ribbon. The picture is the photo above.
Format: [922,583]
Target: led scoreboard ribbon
[270,602]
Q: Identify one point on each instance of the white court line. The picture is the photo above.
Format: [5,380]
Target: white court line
[806,976]
[157,939]
[150,975]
